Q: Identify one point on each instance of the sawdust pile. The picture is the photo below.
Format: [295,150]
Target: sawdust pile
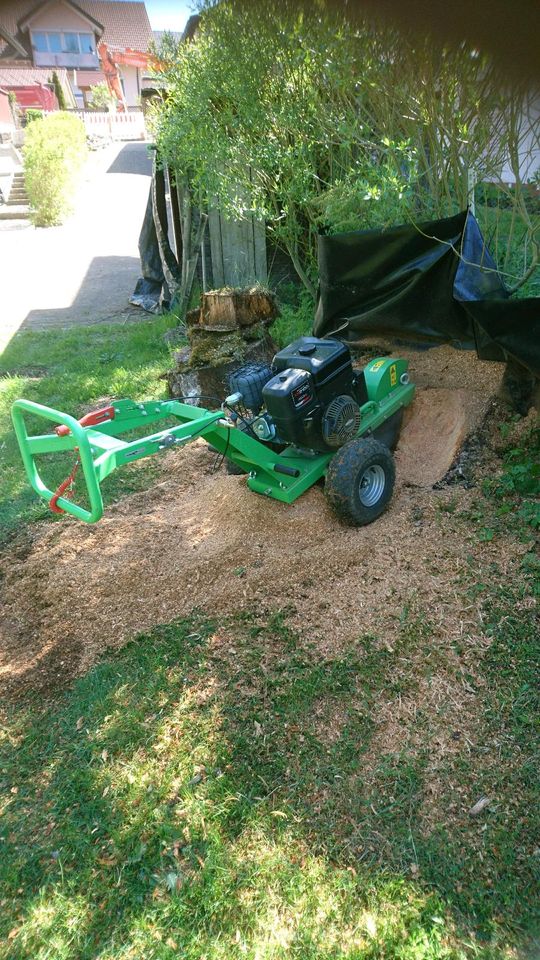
[202,540]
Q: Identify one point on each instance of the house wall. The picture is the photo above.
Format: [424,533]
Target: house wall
[63,18]
[132,92]
[6,118]
[60,17]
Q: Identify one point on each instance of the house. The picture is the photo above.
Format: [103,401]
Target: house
[83,43]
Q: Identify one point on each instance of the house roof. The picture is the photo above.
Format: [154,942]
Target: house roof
[26,76]
[125,23]
[88,78]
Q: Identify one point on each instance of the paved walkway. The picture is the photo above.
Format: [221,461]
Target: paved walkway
[84,271]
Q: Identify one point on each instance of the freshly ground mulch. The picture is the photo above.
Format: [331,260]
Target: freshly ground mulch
[200,539]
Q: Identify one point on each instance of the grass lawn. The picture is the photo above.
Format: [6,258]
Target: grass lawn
[209,792]
[184,800]
[75,371]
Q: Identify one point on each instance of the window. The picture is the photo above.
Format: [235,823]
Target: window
[73,43]
[86,42]
[55,42]
[39,42]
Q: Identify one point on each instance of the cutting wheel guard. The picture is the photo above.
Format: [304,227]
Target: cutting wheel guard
[98,447]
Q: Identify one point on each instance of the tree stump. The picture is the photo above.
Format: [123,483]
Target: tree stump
[229,329]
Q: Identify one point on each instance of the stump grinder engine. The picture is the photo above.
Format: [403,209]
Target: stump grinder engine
[309,416]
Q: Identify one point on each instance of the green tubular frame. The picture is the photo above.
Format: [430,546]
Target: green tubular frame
[101,450]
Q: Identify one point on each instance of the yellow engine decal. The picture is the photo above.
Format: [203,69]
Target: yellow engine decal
[377,365]
[393,375]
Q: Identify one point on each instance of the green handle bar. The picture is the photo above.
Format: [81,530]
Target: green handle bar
[77,438]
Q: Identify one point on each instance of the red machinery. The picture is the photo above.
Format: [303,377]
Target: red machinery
[110,60]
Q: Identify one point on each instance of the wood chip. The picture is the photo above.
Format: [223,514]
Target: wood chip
[480,805]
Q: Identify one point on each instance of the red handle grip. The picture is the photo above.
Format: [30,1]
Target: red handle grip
[89,420]
[97,416]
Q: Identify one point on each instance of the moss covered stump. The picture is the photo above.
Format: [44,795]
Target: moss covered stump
[230,328]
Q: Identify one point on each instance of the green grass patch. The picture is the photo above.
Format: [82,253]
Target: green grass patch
[204,793]
[73,371]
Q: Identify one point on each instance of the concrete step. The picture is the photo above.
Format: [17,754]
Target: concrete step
[18,195]
[18,212]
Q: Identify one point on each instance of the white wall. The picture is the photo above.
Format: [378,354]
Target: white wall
[129,76]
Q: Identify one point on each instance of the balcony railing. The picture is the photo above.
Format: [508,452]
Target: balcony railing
[79,61]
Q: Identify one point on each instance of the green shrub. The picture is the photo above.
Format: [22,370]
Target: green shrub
[33,114]
[54,152]
[295,319]
[59,91]
[101,98]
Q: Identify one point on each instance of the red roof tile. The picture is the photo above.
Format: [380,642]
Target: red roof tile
[26,76]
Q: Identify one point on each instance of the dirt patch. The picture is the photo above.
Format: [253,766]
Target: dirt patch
[202,540]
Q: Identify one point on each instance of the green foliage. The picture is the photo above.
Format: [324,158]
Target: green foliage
[59,91]
[295,319]
[32,114]
[101,97]
[54,153]
[515,492]
[318,125]
[73,370]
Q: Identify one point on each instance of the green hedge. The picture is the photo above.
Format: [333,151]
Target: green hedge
[54,152]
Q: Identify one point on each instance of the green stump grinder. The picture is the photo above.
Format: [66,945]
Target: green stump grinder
[309,416]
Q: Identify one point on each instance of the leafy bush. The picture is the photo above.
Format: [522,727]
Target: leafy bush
[516,490]
[54,152]
[317,124]
[295,320]
[102,98]
[33,114]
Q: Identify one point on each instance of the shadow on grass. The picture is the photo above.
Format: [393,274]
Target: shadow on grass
[204,793]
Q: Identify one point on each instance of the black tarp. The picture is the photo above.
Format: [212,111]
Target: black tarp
[429,282]
[160,268]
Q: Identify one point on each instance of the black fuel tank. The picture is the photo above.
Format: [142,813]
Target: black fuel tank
[328,362]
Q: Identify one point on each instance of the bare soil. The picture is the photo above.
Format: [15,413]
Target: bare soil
[201,539]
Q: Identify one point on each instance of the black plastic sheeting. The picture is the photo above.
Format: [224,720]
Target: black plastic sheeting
[432,282]
[159,266]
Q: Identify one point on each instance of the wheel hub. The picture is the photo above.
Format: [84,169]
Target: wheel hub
[371,486]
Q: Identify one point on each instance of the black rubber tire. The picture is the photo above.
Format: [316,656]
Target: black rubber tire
[362,461]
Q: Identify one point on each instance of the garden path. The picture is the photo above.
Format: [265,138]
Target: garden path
[83,271]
